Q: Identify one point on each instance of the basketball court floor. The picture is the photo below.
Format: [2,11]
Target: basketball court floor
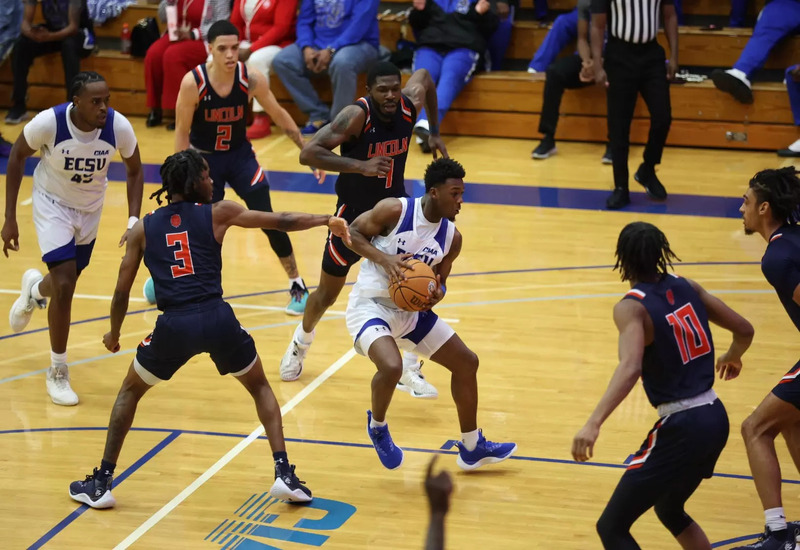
[532,294]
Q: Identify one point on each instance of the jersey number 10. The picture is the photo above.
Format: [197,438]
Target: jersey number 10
[689,333]
[183,255]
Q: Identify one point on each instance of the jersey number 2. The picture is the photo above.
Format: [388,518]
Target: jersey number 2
[223,137]
[689,333]
[183,255]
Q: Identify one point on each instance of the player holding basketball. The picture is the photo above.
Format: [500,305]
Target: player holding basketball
[77,141]
[771,208]
[387,235]
[211,117]
[374,134]
[182,246]
[664,338]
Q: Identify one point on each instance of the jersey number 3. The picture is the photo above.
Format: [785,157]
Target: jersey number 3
[689,333]
[183,254]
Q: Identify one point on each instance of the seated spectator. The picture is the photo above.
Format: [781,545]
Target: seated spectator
[793,88]
[778,19]
[570,72]
[10,23]
[338,38]
[501,38]
[167,61]
[563,31]
[67,29]
[449,44]
[265,28]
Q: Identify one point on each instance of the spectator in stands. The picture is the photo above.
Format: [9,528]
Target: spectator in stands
[167,61]
[451,37]
[10,23]
[501,38]
[778,19]
[793,88]
[563,31]
[338,38]
[570,72]
[265,28]
[66,29]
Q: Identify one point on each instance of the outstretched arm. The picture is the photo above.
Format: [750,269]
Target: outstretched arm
[127,274]
[421,89]
[629,317]
[135,180]
[184,111]
[16,168]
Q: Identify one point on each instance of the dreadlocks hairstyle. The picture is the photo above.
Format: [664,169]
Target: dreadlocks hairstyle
[643,252]
[81,80]
[440,170]
[383,68]
[179,174]
[781,189]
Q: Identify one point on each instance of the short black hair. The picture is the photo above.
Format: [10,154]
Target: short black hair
[382,68]
[180,173]
[81,79]
[643,252]
[781,189]
[440,170]
[223,27]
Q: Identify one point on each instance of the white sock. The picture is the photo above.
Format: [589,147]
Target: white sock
[775,519]
[298,280]
[409,359]
[795,146]
[58,358]
[35,292]
[302,336]
[740,75]
[470,439]
[375,424]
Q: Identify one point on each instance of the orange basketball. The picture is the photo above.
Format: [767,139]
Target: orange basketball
[412,294]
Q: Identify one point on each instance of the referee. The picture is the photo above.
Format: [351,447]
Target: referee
[635,63]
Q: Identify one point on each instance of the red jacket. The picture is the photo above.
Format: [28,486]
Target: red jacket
[273,23]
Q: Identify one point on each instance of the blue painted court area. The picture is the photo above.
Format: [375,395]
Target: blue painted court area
[172,435]
[485,193]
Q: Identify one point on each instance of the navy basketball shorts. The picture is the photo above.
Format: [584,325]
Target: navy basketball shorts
[337,259]
[679,452]
[237,168]
[788,389]
[181,333]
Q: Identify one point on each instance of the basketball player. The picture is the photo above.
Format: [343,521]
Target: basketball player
[76,141]
[664,338]
[386,236]
[770,208]
[374,134]
[182,245]
[211,116]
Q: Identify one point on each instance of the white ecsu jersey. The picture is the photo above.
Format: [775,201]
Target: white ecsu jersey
[428,241]
[74,165]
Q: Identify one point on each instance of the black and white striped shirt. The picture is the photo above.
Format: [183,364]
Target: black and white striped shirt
[633,21]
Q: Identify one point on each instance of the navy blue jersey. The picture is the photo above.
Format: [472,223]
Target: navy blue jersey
[781,267]
[182,254]
[378,138]
[679,363]
[220,123]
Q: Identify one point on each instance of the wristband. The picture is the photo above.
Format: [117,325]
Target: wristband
[132,221]
[444,289]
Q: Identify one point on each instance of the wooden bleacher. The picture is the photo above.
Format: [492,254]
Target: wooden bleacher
[507,103]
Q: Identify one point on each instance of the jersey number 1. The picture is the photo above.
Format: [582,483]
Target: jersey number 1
[389,174]
[183,255]
[689,333]
[223,137]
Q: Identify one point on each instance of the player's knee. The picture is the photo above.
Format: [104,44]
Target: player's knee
[63,287]
[661,120]
[280,243]
[608,528]
[752,428]
[673,517]
[326,296]
[471,362]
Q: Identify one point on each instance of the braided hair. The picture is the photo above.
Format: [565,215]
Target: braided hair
[781,189]
[81,80]
[180,173]
[643,252]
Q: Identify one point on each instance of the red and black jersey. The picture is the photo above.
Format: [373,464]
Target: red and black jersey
[220,123]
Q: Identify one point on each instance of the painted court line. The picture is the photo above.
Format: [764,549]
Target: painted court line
[230,455]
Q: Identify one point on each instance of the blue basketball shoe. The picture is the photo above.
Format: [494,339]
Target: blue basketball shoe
[92,491]
[390,454]
[486,452]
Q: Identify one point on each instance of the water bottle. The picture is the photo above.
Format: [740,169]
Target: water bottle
[125,39]
[172,19]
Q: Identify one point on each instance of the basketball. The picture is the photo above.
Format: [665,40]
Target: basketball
[412,294]
[149,291]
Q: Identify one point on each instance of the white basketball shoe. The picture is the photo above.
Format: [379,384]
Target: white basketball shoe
[20,314]
[292,362]
[58,386]
[412,381]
